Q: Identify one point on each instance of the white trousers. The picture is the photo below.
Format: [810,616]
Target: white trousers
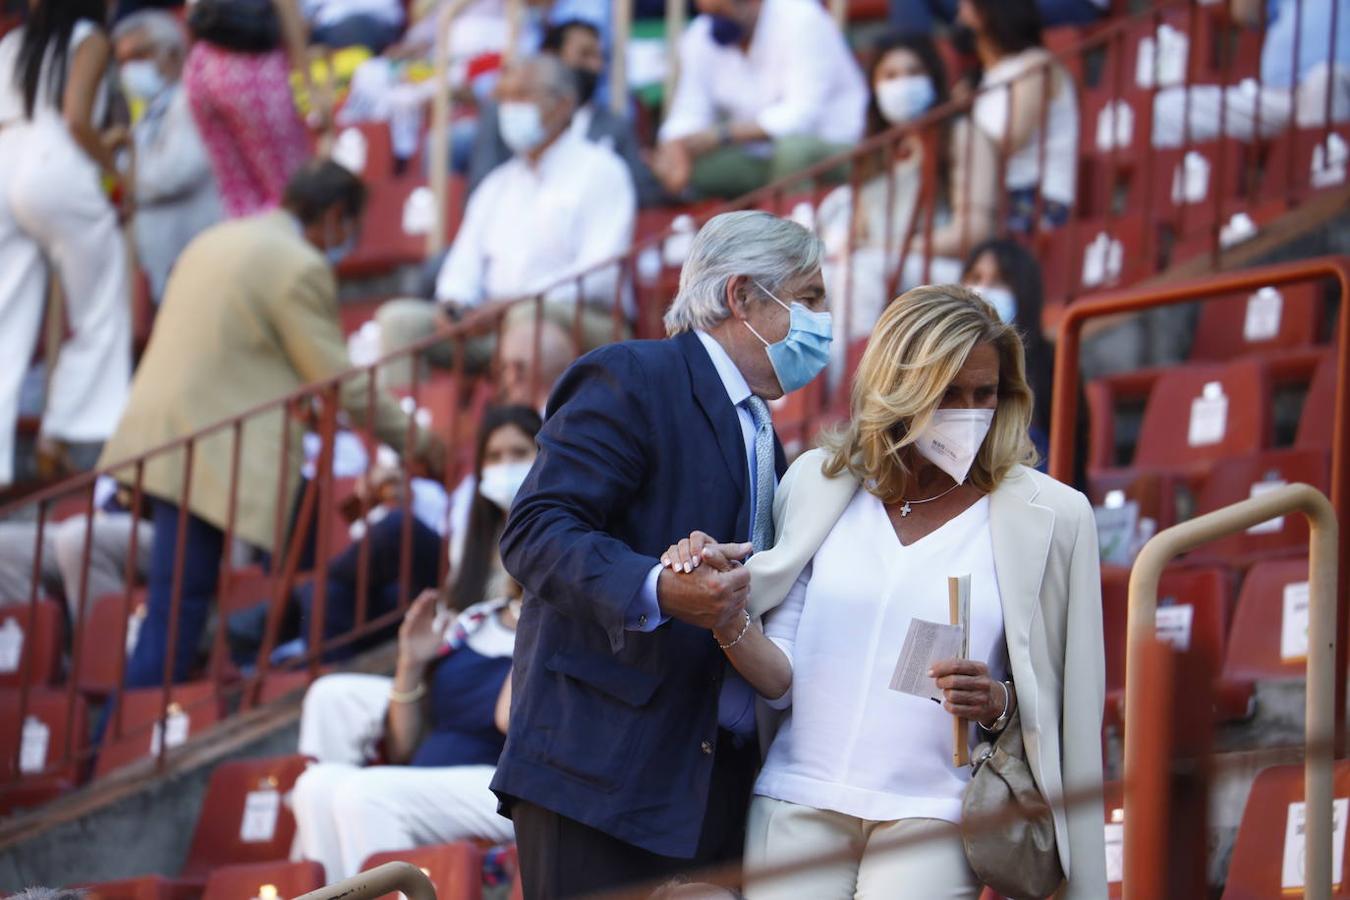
[778,833]
[52,205]
[345,813]
[63,557]
[1238,106]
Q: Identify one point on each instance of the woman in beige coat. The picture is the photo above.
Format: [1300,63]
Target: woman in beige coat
[930,479]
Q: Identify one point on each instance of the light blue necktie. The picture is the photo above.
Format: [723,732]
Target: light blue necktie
[761,521]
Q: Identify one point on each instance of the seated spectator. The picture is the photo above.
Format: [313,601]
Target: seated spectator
[62,566]
[577,44]
[176,195]
[249,315]
[1032,124]
[373,24]
[922,15]
[1290,89]
[441,719]
[560,208]
[907,79]
[1008,278]
[504,453]
[766,88]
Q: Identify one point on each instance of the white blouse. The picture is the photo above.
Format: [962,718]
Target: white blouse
[1061,127]
[849,743]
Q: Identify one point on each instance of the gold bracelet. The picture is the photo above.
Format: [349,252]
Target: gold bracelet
[417,693]
[744,628]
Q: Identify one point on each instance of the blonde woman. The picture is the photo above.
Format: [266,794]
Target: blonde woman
[930,479]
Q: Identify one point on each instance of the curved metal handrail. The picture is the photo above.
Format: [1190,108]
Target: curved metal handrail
[381,880]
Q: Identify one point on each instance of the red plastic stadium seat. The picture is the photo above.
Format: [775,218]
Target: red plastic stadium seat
[1303,161]
[31,638]
[367,149]
[102,641]
[1270,319]
[244,817]
[45,746]
[193,704]
[1234,480]
[246,882]
[1268,638]
[1186,425]
[146,887]
[1318,420]
[455,869]
[1257,866]
[1093,255]
[1206,591]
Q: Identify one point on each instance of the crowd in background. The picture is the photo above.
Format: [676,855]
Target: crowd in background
[191,135]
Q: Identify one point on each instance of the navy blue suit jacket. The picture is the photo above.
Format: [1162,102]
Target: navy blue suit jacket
[609,727]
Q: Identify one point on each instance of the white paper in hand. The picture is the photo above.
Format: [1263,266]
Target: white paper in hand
[925,644]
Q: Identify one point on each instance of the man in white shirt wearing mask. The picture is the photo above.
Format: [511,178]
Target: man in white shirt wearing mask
[176,195]
[560,208]
[766,88]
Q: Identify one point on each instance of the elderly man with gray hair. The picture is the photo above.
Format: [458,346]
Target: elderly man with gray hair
[559,208]
[632,748]
[176,195]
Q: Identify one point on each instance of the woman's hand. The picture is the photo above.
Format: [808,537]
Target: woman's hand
[970,692]
[418,639]
[690,553]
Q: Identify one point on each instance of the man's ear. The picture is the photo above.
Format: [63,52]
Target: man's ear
[738,295]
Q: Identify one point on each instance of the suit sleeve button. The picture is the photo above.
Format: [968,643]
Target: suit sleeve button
[706,747]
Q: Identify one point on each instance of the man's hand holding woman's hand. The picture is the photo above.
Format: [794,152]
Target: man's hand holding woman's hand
[711,596]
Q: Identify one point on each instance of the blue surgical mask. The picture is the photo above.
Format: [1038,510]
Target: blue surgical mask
[141,79]
[905,98]
[805,351]
[1001,299]
[521,126]
[726,32]
[340,252]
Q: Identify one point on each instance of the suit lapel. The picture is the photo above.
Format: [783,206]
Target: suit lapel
[1021,531]
[711,396]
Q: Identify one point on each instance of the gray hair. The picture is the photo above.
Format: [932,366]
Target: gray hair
[546,70]
[43,893]
[161,28]
[767,248]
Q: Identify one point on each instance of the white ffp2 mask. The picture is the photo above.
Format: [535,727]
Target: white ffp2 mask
[952,439]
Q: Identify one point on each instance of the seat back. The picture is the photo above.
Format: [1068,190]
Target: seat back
[103,646]
[1269,639]
[251,882]
[1268,843]
[1272,318]
[51,720]
[192,707]
[455,869]
[31,638]
[1234,480]
[244,817]
[1202,413]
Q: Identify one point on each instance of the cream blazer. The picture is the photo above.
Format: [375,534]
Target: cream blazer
[1045,553]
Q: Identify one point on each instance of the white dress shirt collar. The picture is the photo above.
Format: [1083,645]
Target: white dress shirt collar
[732,379]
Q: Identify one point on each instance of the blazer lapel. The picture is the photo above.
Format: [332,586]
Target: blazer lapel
[1021,532]
[712,398]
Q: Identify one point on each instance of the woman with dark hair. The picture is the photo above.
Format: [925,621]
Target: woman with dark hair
[1034,124]
[54,158]
[239,88]
[884,230]
[476,516]
[442,718]
[1006,275]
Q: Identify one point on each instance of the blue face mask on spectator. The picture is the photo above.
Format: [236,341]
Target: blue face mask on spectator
[904,98]
[804,351]
[343,250]
[726,32]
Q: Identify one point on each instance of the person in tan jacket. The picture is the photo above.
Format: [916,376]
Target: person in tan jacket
[249,315]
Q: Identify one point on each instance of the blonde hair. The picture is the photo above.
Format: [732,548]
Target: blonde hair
[916,350]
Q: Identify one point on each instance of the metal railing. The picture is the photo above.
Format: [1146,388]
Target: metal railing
[1231,288]
[1323,644]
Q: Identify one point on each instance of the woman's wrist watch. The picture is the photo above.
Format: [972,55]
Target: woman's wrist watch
[1002,721]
